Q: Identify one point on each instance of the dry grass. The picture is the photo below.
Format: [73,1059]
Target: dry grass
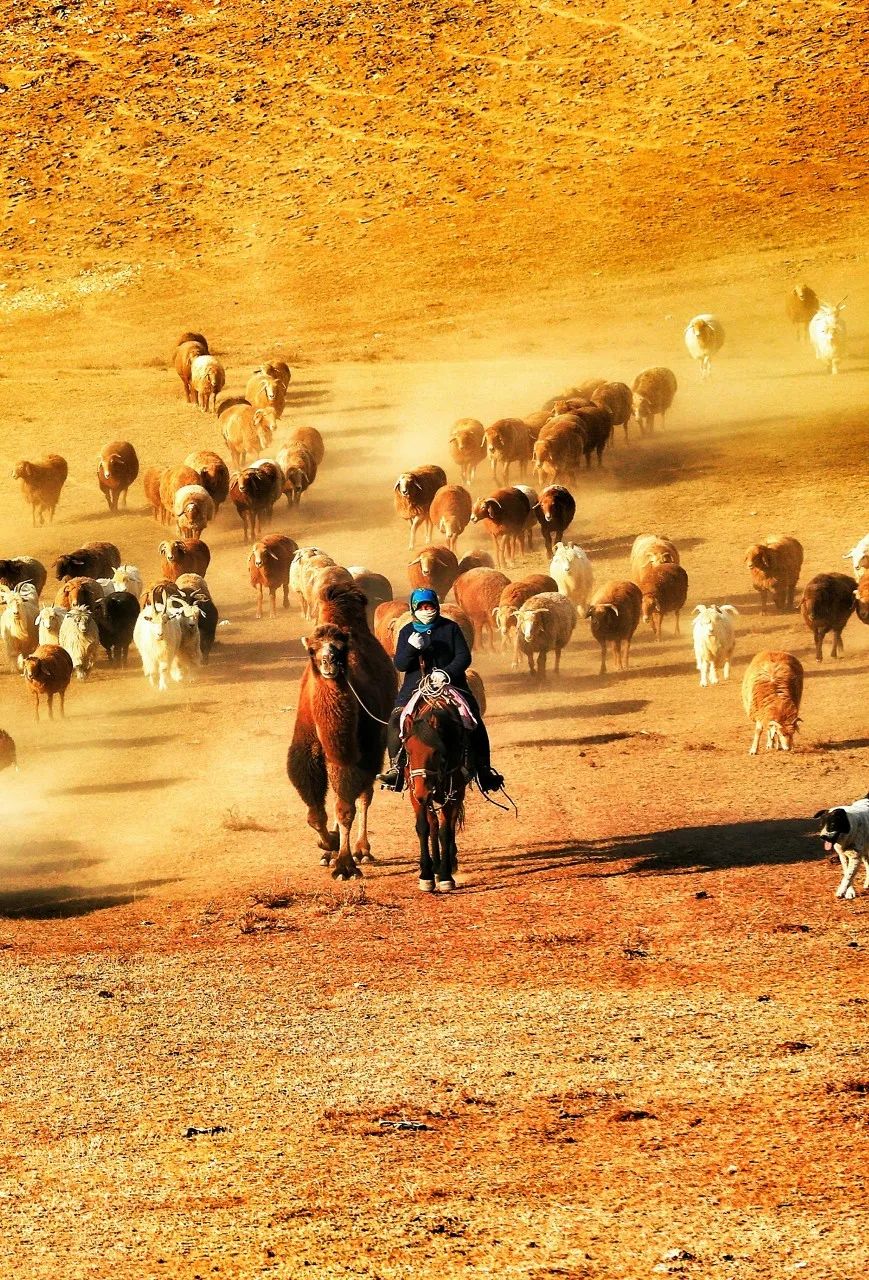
[232,820]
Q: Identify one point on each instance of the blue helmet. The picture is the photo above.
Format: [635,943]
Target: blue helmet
[424,595]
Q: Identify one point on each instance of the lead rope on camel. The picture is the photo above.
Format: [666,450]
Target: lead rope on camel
[363,706]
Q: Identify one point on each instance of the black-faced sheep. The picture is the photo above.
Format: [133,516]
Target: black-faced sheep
[41,483]
[828,601]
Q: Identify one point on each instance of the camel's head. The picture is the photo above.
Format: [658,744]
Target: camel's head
[328,648]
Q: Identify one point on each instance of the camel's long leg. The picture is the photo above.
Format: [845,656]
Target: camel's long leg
[362,848]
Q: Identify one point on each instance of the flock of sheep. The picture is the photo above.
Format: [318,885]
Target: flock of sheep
[101,603]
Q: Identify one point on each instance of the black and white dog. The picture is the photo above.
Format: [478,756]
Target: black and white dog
[846,829]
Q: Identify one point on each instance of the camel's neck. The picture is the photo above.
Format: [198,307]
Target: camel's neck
[335,715]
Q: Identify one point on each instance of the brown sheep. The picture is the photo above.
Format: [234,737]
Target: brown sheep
[193,510]
[414,493]
[117,469]
[504,515]
[8,754]
[507,441]
[772,690]
[462,621]
[450,512]
[41,483]
[193,337]
[48,671]
[467,447]
[827,604]
[595,425]
[618,398]
[277,369]
[665,590]
[92,560]
[435,567]
[801,304]
[513,597]
[252,493]
[477,688]
[554,509]
[376,588]
[558,449]
[300,471]
[247,430]
[80,591]
[653,393]
[180,556]
[613,614]
[651,548]
[309,438]
[207,378]
[476,560]
[173,479]
[477,592]
[269,566]
[265,392]
[775,570]
[213,475]
[861,598]
[151,478]
[185,353]
[23,569]
[385,615]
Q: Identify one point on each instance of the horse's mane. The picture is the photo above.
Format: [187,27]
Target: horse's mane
[445,732]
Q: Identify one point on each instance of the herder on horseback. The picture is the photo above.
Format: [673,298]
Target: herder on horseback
[429,645]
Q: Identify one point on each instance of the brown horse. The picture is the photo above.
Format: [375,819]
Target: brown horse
[436,779]
[347,692]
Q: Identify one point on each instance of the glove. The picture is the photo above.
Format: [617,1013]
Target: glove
[418,640]
[438,680]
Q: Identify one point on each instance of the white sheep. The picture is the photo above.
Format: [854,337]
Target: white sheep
[48,621]
[127,577]
[714,641]
[189,652]
[207,378]
[703,338]
[18,629]
[80,637]
[827,334]
[157,636]
[544,624]
[572,571]
[859,556]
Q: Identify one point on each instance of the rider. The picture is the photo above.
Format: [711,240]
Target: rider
[440,641]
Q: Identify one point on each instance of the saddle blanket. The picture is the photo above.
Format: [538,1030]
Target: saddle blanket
[452,695]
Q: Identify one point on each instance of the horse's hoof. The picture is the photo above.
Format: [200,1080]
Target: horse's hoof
[446,886]
[426,886]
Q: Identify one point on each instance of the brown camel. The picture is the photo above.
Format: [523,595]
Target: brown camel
[336,740]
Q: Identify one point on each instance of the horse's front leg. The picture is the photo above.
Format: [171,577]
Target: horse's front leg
[426,870]
[362,848]
[447,841]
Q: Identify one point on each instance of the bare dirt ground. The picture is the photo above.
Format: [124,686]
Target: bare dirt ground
[635,1040]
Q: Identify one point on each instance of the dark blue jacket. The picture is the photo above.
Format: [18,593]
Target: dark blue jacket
[446,649]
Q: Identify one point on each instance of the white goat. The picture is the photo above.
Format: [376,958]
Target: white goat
[572,571]
[18,629]
[827,334]
[714,641]
[859,556]
[157,636]
[189,649]
[128,578]
[80,637]
[703,338]
[48,621]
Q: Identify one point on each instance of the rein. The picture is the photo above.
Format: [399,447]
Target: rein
[362,704]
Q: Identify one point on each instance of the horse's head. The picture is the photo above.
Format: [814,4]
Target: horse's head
[328,648]
[435,750]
